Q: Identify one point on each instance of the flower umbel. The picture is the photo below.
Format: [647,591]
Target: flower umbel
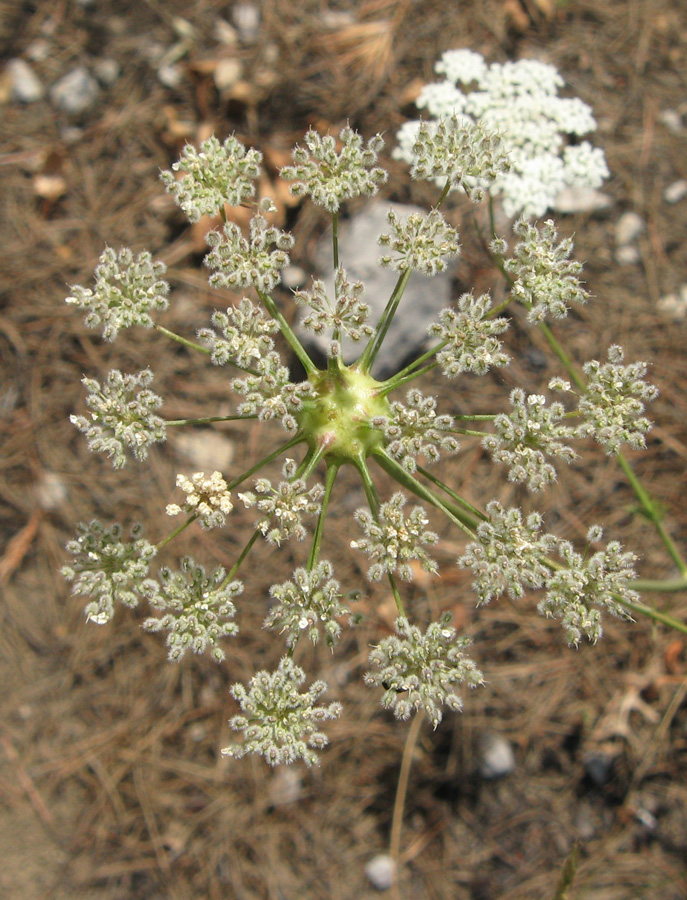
[209,499]
[330,177]
[214,175]
[468,337]
[197,609]
[246,335]
[394,539]
[415,429]
[421,671]
[420,242]
[127,290]
[308,604]
[284,506]
[279,722]
[122,416]
[108,569]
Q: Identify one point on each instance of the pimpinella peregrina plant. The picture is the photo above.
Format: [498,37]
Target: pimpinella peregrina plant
[340,415]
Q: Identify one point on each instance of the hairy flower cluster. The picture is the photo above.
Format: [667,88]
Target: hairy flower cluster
[284,506]
[244,262]
[519,101]
[577,593]
[468,337]
[509,553]
[523,439]
[245,335]
[197,609]
[127,289]
[393,539]
[613,402]
[459,152]
[107,568]
[331,177]
[270,394]
[421,671]
[545,279]
[209,499]
[122,416]
[419,242]
[309,603]
[347,315]
[215,175]
[416,429]
[279,722]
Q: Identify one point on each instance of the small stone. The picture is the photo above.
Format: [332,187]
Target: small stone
[285,786]
[225,33]
[107,71]
[628,255]
[51,491]
[227,73]
[170,76]
[675,191]
[293,277]
[672,119]
[26,86]
[580,200]
[675,305]
[246,18]
[628,228]
[207,450]
[496,757]
[381,872]
[76,92]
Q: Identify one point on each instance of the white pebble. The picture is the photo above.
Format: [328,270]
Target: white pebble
[675,305]
[246,18]
[107,71]
[293,277]
[26,86]
[496,757]
[672,119]
[75,92]
[628,255]
[206,449]
[675,191]
[628,228]
[381,871]
[580,199]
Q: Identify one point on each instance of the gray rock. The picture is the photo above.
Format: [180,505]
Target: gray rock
[628,228]
[496,757]
[107,71]
[359,254]
[675,305]
[26,86]
[579,199]
[76,92]
[675,191]
[246,18]
[381,872]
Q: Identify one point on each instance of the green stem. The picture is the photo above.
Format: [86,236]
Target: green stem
[397,382]
[182,340]
[332,472]
[289,334]
[372,349]
[401,376]
[207,420]
[643,610]
[177,531]
[335,239]
[563,356]
[460,517]
[652,512]
[664,586]
[297,439]
[243,554]
[452,494]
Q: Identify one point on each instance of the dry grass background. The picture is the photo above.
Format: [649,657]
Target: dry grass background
[111,784]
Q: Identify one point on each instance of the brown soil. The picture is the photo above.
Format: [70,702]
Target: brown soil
[111,782]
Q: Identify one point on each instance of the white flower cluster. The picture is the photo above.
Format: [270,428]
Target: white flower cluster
[545,279]
[279,722]
[122,416]
[419,242]
[421,671]
[393,540]
[520,101]
[107,568]
[206,498]
[613,402]
[508,555]
[308,604]
[246,335]
[270,394]
[468,337]
[285,505]
[459,152]
[245,262]
[215,175]
[524,438]
[331,177]
[601,580]
[347,315]
[127,289]
[416,429]
[197,609]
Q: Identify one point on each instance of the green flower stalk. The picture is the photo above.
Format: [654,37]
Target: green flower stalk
[341,415]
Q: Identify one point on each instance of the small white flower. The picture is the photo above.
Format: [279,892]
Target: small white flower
[206,498]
